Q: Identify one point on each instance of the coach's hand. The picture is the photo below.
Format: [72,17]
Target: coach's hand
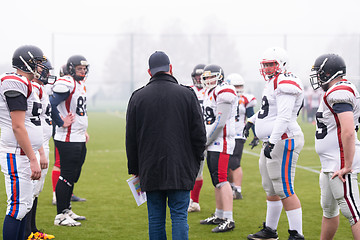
[246,129]
[254,142]
[268,148]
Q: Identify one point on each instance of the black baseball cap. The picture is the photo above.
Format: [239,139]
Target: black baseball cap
[159,62]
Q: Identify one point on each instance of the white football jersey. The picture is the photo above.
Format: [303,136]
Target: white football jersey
[45,116]
[200,93]
[245,101]
[8,142]
[223,93]
[277,119]
[76,104]
[328,143]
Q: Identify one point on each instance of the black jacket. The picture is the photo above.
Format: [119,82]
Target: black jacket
[165,135]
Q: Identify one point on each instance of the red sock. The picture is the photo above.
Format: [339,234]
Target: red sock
[55,177]
[195,193]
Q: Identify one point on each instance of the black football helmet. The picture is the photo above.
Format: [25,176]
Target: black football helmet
[212,76]
[63,71]
[45,76]
[74,61]
[196,75]
[27,58]
[326,68]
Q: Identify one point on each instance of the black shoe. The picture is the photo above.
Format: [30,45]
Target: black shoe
[77,199]
[294,235]
[212,220]
[225,226]
[265,233]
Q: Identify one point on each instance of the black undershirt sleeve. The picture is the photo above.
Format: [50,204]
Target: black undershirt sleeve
[16,103]
[342,107]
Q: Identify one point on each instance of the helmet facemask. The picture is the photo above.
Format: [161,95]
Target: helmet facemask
[320,78]
[270,69]
[211,79]
[33,64]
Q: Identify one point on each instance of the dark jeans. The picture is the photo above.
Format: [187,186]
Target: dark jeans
[178,201]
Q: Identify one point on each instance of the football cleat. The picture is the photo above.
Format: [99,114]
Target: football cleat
[236,193]
[194,206]
[32,237]
[265,233]
[294,235]
[75,216]
[63,219]
[41,235]
[77,199]
[213,220]
[225,226]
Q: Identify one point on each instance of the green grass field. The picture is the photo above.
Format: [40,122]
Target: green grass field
[113,214]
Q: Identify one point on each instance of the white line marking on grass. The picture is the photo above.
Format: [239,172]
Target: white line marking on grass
[297,165]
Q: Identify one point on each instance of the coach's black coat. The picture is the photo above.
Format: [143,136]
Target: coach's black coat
[165,135]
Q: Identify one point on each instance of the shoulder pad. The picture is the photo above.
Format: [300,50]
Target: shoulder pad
[289,85]
[63,85]
[16,83]
[251,100]
[341,92]
[225,94]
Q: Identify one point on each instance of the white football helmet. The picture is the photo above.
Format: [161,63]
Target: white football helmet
[237,81]
[273,62]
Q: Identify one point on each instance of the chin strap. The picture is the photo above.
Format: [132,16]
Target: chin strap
[36,74]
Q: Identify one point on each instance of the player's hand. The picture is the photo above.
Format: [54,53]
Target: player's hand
[35,170]
[68,120]
[254,142]
[43,161]
[87,137]
[246,129]
[341,173]
[268,148]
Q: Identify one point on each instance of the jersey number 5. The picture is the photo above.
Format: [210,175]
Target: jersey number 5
[36,111]
[321,128]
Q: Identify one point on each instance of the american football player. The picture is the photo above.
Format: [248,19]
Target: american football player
[21,137]
[69,98]
[198,88]
[220,104]
[337,145]
[38,83]
[55,173]
[276,125]
[245,109]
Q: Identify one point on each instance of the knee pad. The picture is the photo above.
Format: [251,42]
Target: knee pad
[19,210]
[219,185]
[61,178]
[330,212]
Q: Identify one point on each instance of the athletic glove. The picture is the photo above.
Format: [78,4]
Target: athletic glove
[254,142]
[268,148]
[246,129]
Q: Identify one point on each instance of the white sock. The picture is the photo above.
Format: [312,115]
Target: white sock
[228,215]
[219,213]
[295,220]
[273,212]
